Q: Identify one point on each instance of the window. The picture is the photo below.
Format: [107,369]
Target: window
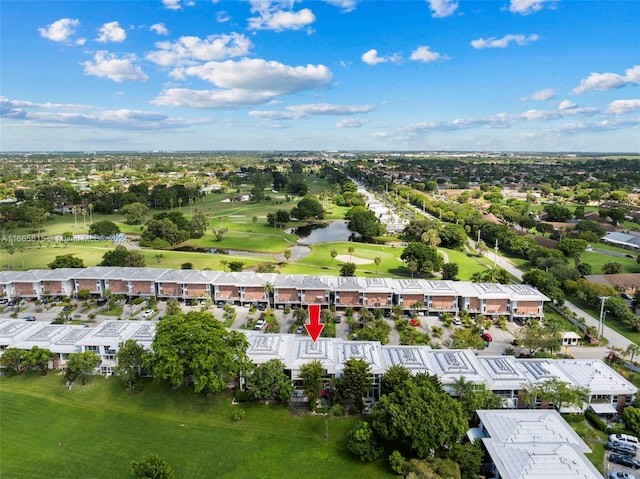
[93,349]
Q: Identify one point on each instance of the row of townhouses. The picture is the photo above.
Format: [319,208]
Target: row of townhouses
[506,376]
[279,290]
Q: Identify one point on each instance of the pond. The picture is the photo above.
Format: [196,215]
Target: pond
[329,232]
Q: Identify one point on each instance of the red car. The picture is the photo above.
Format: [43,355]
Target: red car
[487,337]
[414,322]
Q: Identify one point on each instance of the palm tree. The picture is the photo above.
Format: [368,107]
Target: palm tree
[74,210]
[10,251]
[21,250]
[268,291]
[632,350]
[350,250]
[412,267]
[377,260]
[334,253]
[90,206]
[84,217]
[287,254]
[481,247]
[224,264]
[158,257]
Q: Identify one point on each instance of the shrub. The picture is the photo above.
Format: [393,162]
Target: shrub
[595,421]
[238,414]
[337,410]
[573,418]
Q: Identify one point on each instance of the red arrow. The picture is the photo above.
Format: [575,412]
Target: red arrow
[314,328]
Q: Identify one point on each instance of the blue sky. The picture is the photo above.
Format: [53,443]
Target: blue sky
[525,75]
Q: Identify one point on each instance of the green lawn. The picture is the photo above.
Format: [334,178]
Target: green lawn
[96,430]
[613,323]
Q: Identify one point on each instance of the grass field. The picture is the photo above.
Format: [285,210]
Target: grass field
[94,431]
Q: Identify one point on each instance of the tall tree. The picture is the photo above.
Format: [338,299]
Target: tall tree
[12,359]
[132,359]
[38,359]
[81,366]
[311,375]
[355,381]
[196,349]
[268,381]
[419,418]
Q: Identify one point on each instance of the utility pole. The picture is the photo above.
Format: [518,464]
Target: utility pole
[601,324]
[495,254]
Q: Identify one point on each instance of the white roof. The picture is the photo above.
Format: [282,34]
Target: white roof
[596,376]
[535,444]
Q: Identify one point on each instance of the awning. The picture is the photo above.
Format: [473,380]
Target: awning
[601,408]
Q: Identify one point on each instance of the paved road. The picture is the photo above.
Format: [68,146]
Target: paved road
[615,339]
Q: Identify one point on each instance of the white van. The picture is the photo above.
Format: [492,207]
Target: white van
[625,439]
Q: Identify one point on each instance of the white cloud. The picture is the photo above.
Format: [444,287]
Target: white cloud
[61,30]
[345,5]
[159,28]
[442,8]
[222,17]
[108,65]
[351,123]
[541,95]
[177,4]
[243,83]
[525,7]
[608,81]
[57,114]
[620,107]
[504,41]
[424,54]
[371,58]
[272,16]
[566,105]
[111,32]
[187,50]
[211,99]
[301,111]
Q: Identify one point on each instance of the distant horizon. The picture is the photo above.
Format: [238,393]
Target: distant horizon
[302,150]
[320,75]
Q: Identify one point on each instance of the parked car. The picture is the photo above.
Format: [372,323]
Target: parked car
[147,313]
[337,319]
[487,337]
[620,475]
[626,296]
[414,322]
[299,329]
[102,301]
[259,324]
[626,438]
[66,308]
[30,318]
[621,448]
[624,460]
[221,304]
[457,321]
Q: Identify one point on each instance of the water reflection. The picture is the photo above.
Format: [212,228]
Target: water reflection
[329,232]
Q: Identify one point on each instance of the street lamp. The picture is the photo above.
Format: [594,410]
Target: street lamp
[601,324]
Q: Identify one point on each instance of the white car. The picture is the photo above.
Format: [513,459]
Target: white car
[147,313]
[620,475]
[625,438]
[259,324]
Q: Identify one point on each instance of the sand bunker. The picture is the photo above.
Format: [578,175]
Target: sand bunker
[345,258]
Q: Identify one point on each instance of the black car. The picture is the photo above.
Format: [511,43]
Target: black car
[624,460]
[621,448]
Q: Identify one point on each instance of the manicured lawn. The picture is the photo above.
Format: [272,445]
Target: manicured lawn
[94,431]
[595,440]
[597,260]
